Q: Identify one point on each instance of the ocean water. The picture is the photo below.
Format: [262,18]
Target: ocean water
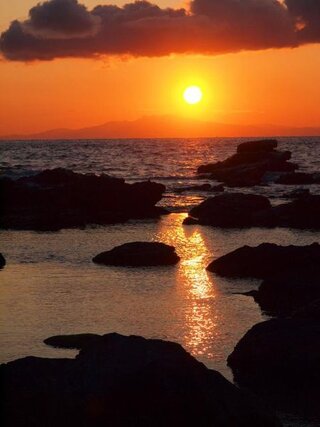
[50,286]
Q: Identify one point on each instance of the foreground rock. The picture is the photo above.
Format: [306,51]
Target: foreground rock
[251,163]
[280,359]
[266,260]
[234,210]
[59,198]
[124,381]
[2,261]
[229,210]
[138,254]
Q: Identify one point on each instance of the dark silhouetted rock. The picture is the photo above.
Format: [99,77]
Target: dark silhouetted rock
[137,254]
[203,187]
[59,198]
[218,188]
[299,178]
[2,261]
[309,312]
[265,145]
[266,260]
[280,359]
[77,341]
[252,162]
[303,213]
[125,381]
[285,293]
[299,193]
[229,210]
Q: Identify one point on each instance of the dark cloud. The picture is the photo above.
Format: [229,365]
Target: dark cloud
[65,28]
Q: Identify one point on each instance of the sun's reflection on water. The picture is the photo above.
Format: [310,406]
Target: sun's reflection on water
[198,292]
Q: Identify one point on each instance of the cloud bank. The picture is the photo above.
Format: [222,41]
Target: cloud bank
[66,28]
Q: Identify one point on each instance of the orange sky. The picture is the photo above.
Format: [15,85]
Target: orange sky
[280,87]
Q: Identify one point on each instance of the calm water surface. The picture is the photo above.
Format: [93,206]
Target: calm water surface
[50,286]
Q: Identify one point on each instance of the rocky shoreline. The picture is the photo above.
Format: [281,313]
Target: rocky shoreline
[131,381]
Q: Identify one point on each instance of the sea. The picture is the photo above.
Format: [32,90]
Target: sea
[50,285]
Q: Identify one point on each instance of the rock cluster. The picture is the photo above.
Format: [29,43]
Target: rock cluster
[236,210]
[280,358]
[139,254]
[59,198]
[251,163]
[124,381]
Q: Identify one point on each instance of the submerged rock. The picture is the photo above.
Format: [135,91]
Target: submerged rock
[266,260]
[247,168]
[125,381]
[2,261]
[280,359]
[59,198]
[138,254]
[229,210]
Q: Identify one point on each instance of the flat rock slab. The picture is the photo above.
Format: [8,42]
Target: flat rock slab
[266,260]
[124,381]
[139,254]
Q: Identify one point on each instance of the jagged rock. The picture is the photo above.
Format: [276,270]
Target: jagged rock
[280,360]
[59,198]
[137,254]
[253,160]
[2,261]
[266,260]
[229,210]
[125,381]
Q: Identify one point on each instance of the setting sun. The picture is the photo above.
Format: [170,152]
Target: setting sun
[192,95]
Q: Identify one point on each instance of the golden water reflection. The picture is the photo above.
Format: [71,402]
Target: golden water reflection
[194,285]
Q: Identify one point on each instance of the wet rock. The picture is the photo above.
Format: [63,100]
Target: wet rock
[77,341]
[299,193]
[299,178]
[138,254]
[265,145]
[284,294]
[2,261]
[303,213]
[217,188]
[229,210]
[252,162]
[203,187]
[280,360]
[266,260]
[59,198]
[125,381]
[308,312]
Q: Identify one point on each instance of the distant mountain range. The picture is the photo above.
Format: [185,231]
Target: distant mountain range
[168,127]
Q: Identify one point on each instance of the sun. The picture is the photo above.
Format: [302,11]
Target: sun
[192,95]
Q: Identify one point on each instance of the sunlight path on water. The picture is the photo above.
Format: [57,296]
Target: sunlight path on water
[202,320]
